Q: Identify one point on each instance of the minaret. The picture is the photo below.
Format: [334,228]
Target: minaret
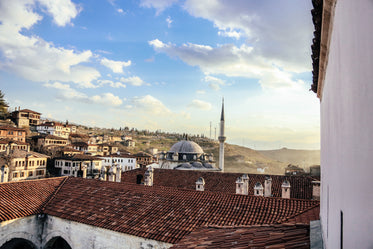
[221,139]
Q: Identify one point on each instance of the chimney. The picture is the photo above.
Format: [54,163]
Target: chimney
[258,189]
[239,186]
[316,190]
[111,174]
[84,169]
[118,173]
[103,173]
[148,181]
[285,189]
[245,180]
[268,186]
[200,184]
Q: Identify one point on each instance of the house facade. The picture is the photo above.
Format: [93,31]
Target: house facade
[19,165]
[13,133]
[25,117]
[54,128]
[126,162]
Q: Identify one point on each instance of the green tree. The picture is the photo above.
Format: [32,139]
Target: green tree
[3,106]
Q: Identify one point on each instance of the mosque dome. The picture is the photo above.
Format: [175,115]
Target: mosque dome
[186,147]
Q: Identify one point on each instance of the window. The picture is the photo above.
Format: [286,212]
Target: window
[30,173]
[15,174]
[22,174]
[39,172]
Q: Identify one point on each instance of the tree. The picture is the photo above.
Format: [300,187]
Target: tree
[3,106]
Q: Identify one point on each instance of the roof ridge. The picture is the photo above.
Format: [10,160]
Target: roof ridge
[54,193]
[32,180]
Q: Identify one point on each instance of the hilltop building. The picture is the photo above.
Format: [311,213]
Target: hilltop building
[25,118]
[16,165]
[13,133]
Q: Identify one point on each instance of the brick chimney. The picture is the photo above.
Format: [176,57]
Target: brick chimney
[268,186]
[200,184]
[148,181]
[316,190]
[258,189]
[285,189]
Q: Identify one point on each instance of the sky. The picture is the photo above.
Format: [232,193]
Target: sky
[165,65]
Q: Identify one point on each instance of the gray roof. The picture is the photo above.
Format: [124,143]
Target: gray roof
[185,146]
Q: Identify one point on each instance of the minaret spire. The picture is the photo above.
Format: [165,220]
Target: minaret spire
[221,139]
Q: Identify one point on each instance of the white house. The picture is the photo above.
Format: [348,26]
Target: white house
[79,166]
[54,128]
[127,162]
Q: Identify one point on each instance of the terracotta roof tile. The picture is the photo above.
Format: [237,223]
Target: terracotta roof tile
[265,236]
[163,213]
[24,198]
[301,186]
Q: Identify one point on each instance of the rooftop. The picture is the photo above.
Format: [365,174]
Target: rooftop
[266,236]
[159,213]
[186,146]
[301,186]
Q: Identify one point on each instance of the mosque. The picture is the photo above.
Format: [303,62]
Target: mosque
[188,155]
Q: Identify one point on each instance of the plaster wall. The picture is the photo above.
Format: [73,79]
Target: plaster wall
[81,236]
[28,228]
[347,129]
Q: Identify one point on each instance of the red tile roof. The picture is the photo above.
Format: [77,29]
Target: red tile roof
[11,128]
[28,111]
[266,236]
[24,198]
[301,186]
[163,213]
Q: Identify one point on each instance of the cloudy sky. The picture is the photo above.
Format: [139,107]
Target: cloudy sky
[165,64]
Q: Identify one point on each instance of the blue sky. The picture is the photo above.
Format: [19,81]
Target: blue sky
[165,64]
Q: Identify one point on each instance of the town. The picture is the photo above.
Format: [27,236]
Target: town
[104,109]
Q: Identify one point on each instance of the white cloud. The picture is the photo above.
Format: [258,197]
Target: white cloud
[120,11]
[200,104]
[228,60]
[133,80]
[115,66]
[214,83]
[62,11]
[34,58]
[107,99]
[169,21]
[200,92]
[284,36]
[159,5]
[66,92]
[111,83]
[150,104]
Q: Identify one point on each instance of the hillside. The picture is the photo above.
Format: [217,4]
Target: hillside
[303,158]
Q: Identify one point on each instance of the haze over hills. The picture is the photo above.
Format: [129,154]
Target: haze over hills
[303,158]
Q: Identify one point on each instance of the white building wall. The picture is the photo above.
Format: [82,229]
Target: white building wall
[347,129]
[40,231]
[81,236]
[25,228]
[125,163]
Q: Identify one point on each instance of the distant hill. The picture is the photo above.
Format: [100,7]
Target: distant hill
[303,158]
